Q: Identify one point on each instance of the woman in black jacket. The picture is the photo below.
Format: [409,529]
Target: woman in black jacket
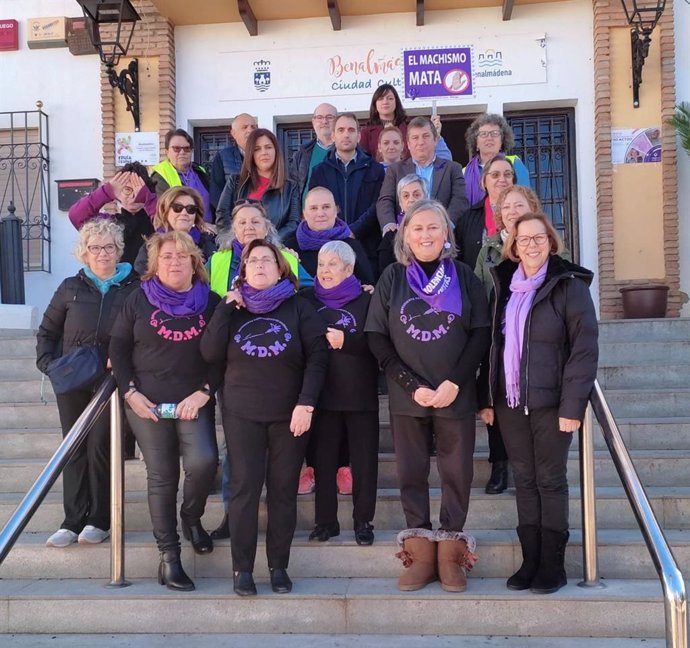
[81,314]
[541,368]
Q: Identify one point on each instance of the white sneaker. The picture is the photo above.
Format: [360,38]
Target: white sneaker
[92,535]
[62,538]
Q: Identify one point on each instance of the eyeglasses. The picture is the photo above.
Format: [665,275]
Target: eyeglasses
[495,175]
[321,118]
[181,149]
[169,258]
[491,133]
[524,241]
[108,248]
[262,261]
[192,210]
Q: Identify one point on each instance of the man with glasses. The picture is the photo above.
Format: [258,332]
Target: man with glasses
[228,160]
[309,155]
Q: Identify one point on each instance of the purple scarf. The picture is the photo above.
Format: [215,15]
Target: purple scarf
[195,233]
[473,173]
[263,301]
[172,302]
[442,291]
[345,292]
[399,218]
[191,179]
[309,239]
[237,249]
[523,290]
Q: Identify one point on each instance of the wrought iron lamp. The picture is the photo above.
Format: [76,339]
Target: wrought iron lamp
[110,24]
[642,17]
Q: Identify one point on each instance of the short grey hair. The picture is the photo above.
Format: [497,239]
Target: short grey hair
[507,137]
[402,251]
[342,250]
[99,227]
[409,179]
[227,236]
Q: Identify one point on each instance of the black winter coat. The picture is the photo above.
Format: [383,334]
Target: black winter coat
[469,234]
[79,315]
[560,352]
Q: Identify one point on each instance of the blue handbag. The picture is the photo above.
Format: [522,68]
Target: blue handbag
[80,368]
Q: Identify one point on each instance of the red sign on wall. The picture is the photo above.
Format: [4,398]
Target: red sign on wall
[9,35]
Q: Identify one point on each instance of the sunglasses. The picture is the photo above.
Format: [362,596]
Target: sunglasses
[181,149]
[192,210]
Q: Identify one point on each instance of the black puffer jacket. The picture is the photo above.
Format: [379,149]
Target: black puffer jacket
[79,315]
[560,352]
[469,234]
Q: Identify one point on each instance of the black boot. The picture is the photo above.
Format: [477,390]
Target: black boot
[530,541]
[498,481]
[223,530]
[197,535]
[550,576]
[170,572]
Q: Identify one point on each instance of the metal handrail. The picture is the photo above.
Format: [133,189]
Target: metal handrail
[675,598]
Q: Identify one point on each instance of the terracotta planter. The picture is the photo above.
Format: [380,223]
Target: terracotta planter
[644,302]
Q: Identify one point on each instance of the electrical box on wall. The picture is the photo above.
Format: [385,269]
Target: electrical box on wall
[69,191]
[9,35]
[46,32]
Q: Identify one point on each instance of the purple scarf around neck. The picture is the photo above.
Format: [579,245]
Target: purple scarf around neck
[172,302]
[441,291]
[523,290]
[237,248]
[195,233]
[263,301]
[345,292]
[309,239]
[473,173]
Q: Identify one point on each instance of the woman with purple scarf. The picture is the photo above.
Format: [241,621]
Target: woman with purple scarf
[536,383]
[348,407]
[180,209]
[274,349]
[428,326]
[156,360]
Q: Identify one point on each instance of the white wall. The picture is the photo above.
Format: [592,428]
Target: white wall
[69,87]
[682,30]
[568,28]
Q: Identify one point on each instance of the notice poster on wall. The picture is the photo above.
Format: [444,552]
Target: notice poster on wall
[438,72]
[137,147]
[635,145]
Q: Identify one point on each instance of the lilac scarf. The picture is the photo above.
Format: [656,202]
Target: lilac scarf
[309,239]
[237,249]
[172,302]
[523,290]
[268,299]
[473,173]
[442,291]
[191,179]
[345,292]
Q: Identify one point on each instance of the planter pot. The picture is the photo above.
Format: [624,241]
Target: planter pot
[644,302]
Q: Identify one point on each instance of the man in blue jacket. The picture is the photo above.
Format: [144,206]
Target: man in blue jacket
[355,179]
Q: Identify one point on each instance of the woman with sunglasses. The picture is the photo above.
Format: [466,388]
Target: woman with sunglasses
[179,170]
[263,178]
[536,384]
[180,209]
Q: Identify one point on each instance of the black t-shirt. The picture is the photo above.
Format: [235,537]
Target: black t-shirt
[272,361]
[352,379]
[159,352]
[430,343]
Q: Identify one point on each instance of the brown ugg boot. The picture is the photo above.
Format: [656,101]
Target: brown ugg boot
[455,558]
[418,555]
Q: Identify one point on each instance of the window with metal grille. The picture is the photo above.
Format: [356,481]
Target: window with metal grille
[545,140]
[292,136]
[25,181]
[208,141]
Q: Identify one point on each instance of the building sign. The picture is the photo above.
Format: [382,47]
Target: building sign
[441,72]
[635,145]
[9,35]
[46,32]
[360,69]
[137,147]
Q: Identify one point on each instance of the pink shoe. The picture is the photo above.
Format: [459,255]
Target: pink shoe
[307,482]
[343,479]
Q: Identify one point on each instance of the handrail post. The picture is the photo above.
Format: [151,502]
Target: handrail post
[117,497]
[590,558]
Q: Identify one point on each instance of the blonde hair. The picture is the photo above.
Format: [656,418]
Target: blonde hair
[556,244]
[99,227]
[183,243]
[166,200]
[402,250]
[530,197]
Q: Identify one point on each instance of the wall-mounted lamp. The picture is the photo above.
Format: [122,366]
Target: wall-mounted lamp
[119,18]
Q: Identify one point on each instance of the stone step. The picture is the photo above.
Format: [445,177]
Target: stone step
[617,353]
[622,554]
[14,344]
[29,416]
[26,391]
[631,608]
[671,505]
[642,330]
[21,368]
[648,376]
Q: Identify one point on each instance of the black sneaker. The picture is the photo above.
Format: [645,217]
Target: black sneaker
[323,532]
[364,533]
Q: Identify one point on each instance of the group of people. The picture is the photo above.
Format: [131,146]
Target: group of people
[283,291]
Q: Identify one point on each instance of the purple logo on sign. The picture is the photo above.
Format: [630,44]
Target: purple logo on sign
[445,72]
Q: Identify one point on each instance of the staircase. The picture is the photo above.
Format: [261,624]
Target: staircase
[346,594]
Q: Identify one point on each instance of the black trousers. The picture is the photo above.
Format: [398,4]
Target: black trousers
[361,430]
[497,449]
[162,445]
[454,450]
[258,453]
[343,452]
[86,477]
[538,454]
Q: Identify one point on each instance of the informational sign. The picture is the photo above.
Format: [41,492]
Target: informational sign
[439,72]
[46,32]
[635,145]
[137,147]
[9,35]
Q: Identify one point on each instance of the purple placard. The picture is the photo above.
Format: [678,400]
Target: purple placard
[441,72]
